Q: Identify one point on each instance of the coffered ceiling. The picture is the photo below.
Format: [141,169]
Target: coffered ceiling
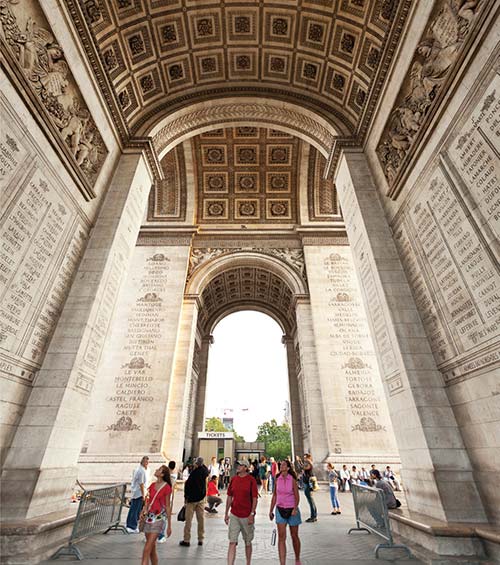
[240,287]
[246,175]
[243,175]
[157,55]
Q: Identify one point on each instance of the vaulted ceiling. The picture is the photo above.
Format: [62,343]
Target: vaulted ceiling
[158,55]
[243,175]
[240,287]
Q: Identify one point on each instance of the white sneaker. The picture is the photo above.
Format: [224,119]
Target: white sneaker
[131,531]
[162,540]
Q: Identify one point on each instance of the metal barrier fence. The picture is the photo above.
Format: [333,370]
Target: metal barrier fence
[372,516]
[99,511]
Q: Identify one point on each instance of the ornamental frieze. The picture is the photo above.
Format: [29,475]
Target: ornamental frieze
[292,257]
[26,34]
[437,55]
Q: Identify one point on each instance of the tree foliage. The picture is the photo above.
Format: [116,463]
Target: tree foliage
[277,439]
[215,424]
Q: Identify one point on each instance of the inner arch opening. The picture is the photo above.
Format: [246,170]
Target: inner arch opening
[247,376]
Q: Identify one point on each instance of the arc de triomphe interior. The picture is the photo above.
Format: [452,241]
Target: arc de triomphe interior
[331,163]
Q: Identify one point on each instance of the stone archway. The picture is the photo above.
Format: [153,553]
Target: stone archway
[247,280]
[228,112]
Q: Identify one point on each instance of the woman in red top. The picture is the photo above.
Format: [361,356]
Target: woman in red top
[156,511]
[213,497]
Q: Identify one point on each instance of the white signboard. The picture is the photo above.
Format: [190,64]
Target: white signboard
[215,435]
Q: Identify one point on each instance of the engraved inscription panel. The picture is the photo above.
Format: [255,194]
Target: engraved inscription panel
[475,153]
[138,354]
[42,240]
[458,293]
[353,392]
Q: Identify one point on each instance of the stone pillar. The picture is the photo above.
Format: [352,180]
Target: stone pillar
[178,395]
[201,395]
[40,468]
[317,430]
[296,420]
[357,418]
[130,400]
[435,462]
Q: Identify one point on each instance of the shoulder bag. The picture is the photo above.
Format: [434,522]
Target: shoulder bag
[144,513]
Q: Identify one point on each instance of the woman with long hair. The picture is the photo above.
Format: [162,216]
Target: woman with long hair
[156,511]
[286,499]
[333,480]
[263,475]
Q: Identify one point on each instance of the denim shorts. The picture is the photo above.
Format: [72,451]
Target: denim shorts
[292,521]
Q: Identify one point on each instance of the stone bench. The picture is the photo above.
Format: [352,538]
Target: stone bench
[447,538]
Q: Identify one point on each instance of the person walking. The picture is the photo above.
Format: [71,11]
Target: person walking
[137,495]
[241,504]
[156,513]
[263,475]
[213,498]
[298,467]
[308,487]
[195,490]
[286,499]
[333,480]
[274,471]
[173,479]
[220,482]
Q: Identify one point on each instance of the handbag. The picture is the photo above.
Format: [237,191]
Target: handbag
[144,513]
[181,516]
[285,513]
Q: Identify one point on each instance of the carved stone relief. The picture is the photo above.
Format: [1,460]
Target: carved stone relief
[293,257]
[243,112]
[440,48]
[26,34]
[160,55]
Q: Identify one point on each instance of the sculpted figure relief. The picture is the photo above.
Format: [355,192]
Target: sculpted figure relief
[434,57]
[42,61]
[294,257]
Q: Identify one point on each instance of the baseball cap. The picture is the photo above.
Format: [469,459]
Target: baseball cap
[244,462]
[199,461]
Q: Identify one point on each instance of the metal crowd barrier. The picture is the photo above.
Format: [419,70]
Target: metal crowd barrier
[372,516]
[99,511]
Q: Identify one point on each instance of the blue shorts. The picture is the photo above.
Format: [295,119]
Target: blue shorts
[292,521]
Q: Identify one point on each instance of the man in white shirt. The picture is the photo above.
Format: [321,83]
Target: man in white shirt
[390,477]
[213,468]
[137,495]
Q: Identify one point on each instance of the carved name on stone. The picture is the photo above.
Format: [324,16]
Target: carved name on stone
[458,293]
[41,240]
[475,152]
[349,340]
[27,34]
[133,383]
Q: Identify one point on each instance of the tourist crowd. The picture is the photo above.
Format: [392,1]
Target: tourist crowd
[151,507]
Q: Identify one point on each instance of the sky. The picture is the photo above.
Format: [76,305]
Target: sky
[247,371]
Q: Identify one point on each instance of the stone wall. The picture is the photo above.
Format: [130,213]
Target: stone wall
[128,413]
[44,224]
[358,422]
[446,224]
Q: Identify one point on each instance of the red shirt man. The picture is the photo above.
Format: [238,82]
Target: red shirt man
[242,501]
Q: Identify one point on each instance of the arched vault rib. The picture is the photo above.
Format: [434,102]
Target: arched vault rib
[183,124]
[246,280]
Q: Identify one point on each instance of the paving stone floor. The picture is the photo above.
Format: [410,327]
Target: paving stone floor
[323,542]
